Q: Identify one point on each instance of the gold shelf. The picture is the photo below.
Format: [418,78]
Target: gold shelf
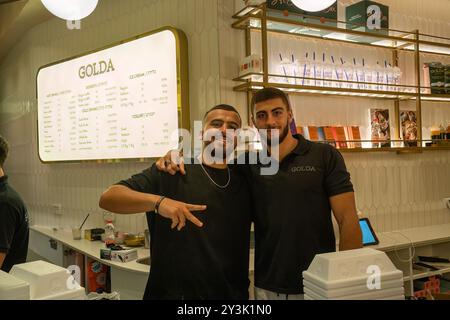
[435,97]
[308,26]
[400,150]
[253,81]
[266,21]
[313,90]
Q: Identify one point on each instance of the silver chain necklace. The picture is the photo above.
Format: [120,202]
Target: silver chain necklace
[218,185]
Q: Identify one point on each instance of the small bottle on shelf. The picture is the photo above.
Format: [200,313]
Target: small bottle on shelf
[443,133]
[305,69]
[361,74]
[397,79]
[379,71]
[447,136]
[317,71]
[337,74]
[390,76]
[349,72]
[369,77]
[435,136]
[327,73]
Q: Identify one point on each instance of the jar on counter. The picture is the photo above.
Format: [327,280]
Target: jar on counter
[435,136]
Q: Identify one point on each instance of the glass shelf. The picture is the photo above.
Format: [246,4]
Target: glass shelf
[308,26]
[289,84]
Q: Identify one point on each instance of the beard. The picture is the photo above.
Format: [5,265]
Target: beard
[283,133]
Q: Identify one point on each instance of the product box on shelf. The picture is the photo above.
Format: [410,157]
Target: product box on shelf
[250,64]
[408,123]
[435,77]
[380,126]
[368,16]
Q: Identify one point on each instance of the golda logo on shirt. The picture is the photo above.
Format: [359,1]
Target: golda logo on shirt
[303,169]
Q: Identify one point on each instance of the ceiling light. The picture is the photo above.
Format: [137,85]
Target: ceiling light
[313,5]
[70,9]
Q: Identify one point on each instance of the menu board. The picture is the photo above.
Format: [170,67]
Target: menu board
[118,103]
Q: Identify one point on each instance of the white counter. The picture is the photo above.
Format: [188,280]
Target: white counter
[92,249]
[422,236]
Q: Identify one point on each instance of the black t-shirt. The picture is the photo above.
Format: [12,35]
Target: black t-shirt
[208,263]
[293,213]
[14,230]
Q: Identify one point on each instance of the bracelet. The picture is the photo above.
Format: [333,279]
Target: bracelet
[158,204]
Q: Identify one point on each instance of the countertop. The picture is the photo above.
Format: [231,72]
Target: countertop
[92,250]
[389,241]
[402,239]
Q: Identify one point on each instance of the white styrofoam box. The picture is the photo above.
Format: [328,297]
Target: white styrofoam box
[345,283]
[75,294]
[306,297]
[12,288]
[347,291]
[45,279]
[349,265]
[374,295]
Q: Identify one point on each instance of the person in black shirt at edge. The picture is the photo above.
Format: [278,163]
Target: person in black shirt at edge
[209,262]
[14,230]
[293,208]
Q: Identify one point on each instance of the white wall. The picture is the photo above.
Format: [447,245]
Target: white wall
[395,191]
[77,187]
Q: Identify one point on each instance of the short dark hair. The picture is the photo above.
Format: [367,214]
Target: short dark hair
[225,107]
[4,149]
[269,94]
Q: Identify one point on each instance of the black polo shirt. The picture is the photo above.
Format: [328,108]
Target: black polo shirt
[293,214]
[14,230]
[208,263]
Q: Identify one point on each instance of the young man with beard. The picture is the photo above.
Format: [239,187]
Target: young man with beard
[293,220]
[196,263]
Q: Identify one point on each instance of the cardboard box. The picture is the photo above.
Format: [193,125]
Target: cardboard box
[250,64]
[94,234]
[435,77]
[105,254]
[124,255]
[368,16]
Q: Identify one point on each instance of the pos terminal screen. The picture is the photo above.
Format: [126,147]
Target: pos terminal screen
[369,237]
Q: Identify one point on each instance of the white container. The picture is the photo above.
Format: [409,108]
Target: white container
[350,266]
[395,293]
[353,290]
[75,294]
[349,282]
[12,288]
[47,281]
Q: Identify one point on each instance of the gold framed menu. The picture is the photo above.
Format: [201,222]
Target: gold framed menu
[125,101]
